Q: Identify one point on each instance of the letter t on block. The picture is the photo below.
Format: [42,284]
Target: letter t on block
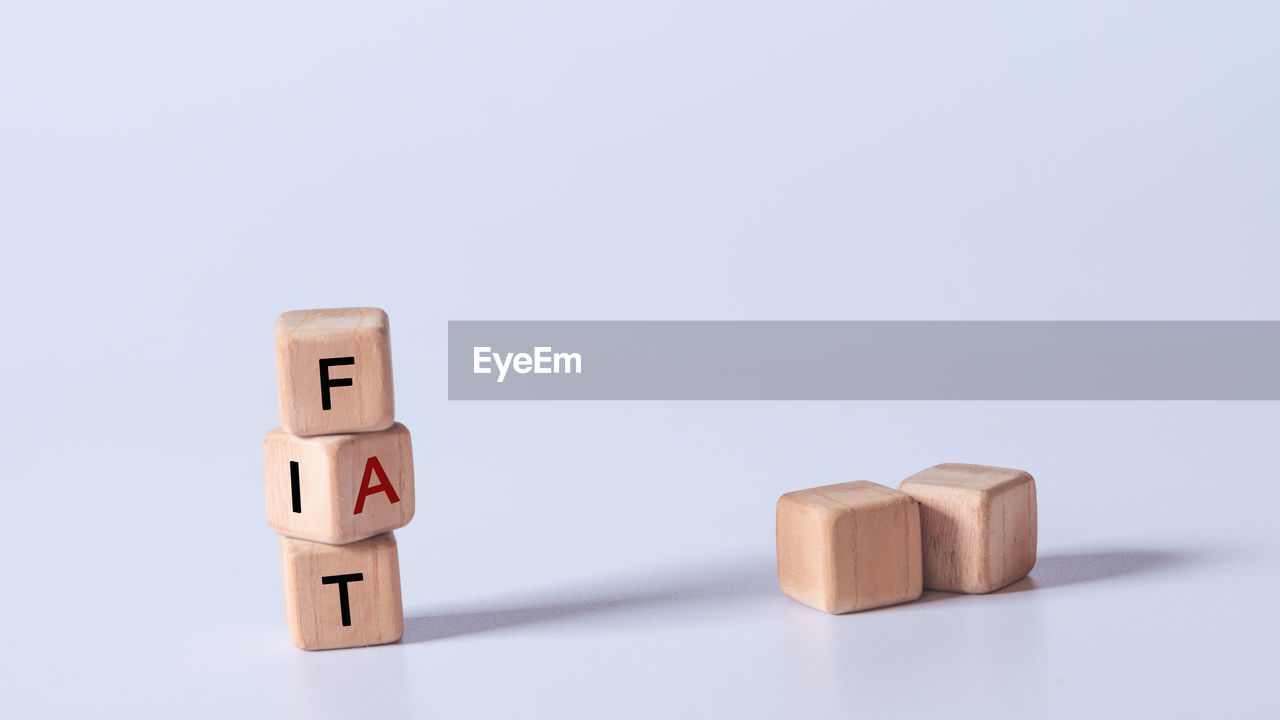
[334,371]
[338,596]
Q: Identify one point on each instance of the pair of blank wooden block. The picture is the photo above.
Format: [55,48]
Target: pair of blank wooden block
[859,545]
[339,478]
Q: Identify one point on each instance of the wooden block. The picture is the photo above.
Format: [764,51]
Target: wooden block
[334,371]
[978,524]
[338,596]
[848,547]
[338,488]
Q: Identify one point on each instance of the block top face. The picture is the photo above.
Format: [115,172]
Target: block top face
[846,496]
[292,549]
[982,479]
[333,321]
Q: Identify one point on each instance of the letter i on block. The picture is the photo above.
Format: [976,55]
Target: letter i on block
[334,371]
[338,596]
[339,488]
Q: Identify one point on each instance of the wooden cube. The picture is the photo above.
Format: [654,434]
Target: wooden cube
[848,547]
[338,596]
[338,488]
[978,524]
[333,368]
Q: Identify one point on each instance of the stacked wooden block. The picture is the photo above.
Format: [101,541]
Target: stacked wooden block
[339,478]
[859,545]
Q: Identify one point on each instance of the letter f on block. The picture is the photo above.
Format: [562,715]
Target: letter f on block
[326,382]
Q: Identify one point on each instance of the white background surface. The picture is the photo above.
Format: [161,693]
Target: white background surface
[173,177]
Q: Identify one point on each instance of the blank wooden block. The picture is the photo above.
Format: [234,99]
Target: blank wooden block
[978,524]
[333,368]
[848,547]
[338,488]
[338,596]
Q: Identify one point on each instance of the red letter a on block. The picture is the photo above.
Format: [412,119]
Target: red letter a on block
[384,485]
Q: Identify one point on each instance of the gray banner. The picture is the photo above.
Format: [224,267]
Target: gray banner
[713,360]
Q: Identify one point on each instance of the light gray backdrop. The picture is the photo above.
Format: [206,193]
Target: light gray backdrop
[173,175]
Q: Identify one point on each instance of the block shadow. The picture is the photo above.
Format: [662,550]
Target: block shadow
[718,585]
[1059,569]
[1062,569]
[710,586]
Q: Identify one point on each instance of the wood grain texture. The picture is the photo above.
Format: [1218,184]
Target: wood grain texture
[978,524]
[303,339]
[313,608]
[848,547]
[331,471]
